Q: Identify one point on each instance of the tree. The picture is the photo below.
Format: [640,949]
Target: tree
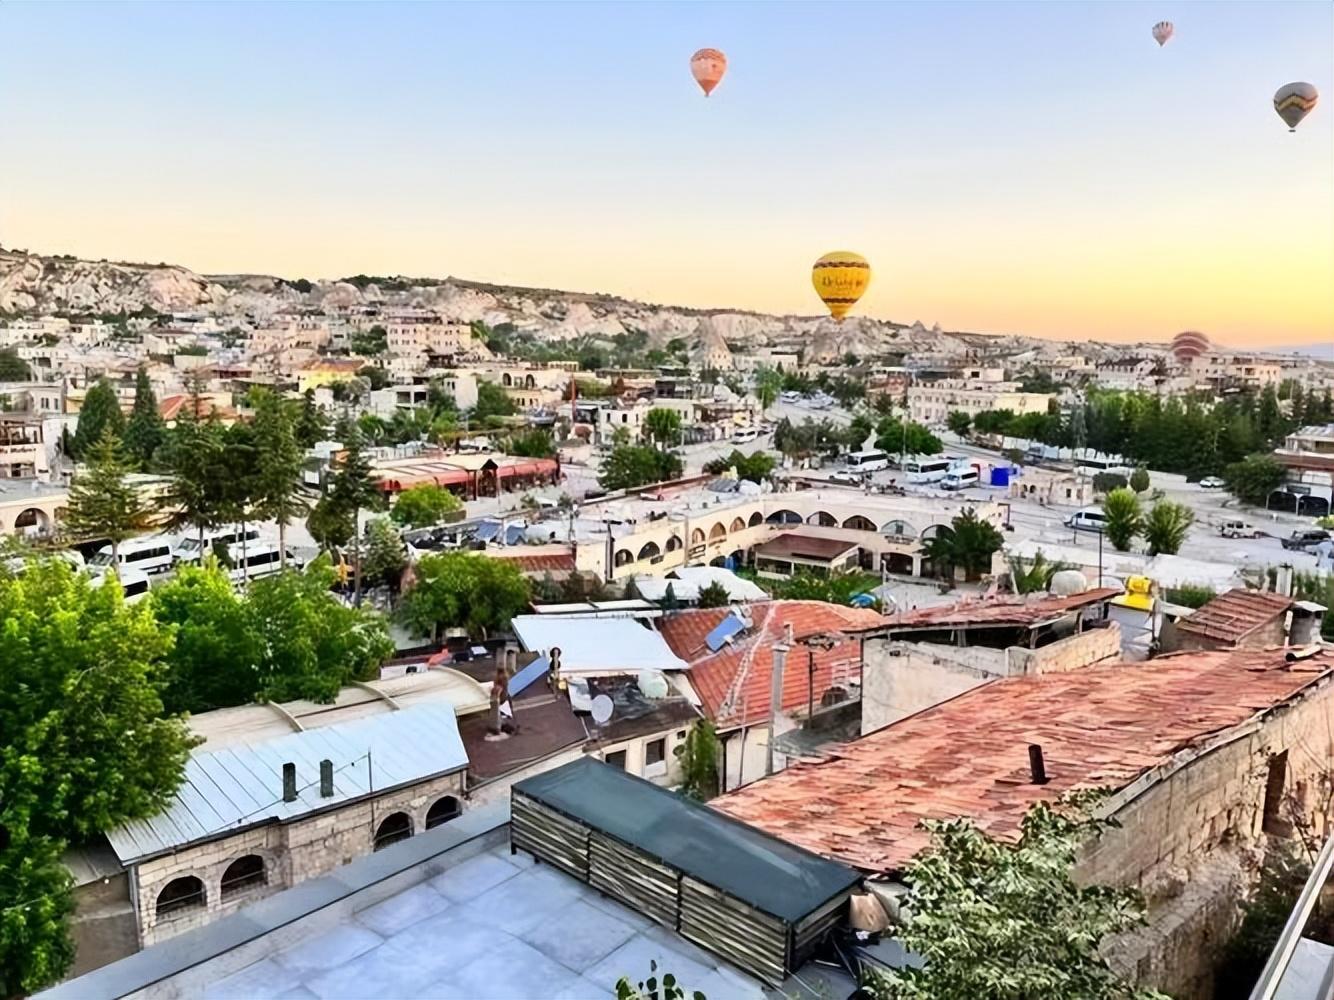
[698,754]
[101,503]
[1124,518]
[100,413]
[376,377]
[663,426]
[424,505]
[768,384]
[145,430]
[533,443]
[194,454]
[998,919]
[1106,482]
[492,401]
[1254,478]
[329,524]
[1036,576]
[629,466]
[463,589]
[311,426]
[968,544]
[351,489]
[756,467]
[385,555]
[905,438]
[713,596]
[371,342]
[669,600]
[1139,479]
[12,367]
[1166,526]
[279,494]
[959,422]
[86,748]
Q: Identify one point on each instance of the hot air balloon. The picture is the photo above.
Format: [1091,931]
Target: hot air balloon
[1189,345]
[840,279]
[1294,101]
[1162,31]
[707,66]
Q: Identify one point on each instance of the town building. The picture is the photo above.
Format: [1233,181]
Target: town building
[931,404]
[1246,619]
[1308,455]
[23,446]
[1207,759]
[1222,372]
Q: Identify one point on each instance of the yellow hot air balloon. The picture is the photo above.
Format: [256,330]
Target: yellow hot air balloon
[840,279]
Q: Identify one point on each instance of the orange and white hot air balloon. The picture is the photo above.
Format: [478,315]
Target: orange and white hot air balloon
[1162,31]
[707,66]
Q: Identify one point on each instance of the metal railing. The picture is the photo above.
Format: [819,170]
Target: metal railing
[1266,987]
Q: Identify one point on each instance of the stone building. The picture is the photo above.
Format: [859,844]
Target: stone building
[1246,619]
[1209,758]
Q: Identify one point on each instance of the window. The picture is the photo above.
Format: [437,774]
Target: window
[179,894]
[442,811]
[242,874]
[1273,821]
[393,828]
[655,752]
[616,759]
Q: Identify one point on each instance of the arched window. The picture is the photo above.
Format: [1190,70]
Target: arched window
[392,829]
[823,518]
[505,380]
[756,518]
[858,523]
[737,525]
[242,874]
[623,557]
[31,518]
[179,894]
[717,531]
[442,811]
[932,531]
[673,543]
[697,536]
[649,550]
[899,529]
[784,517]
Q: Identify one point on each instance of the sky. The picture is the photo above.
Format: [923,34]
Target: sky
[1040,168]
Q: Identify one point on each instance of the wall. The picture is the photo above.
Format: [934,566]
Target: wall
[636,749]
[1071,653]
[292,853]
[1191,838]
[1273,633]
[902,678]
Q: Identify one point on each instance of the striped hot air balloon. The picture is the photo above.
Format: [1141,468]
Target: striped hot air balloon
[1189,345]
[1162,31]
[707,66]
[840,279]
[1293,102]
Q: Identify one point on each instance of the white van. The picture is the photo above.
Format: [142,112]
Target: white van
[959,479]
[150,554]
[1088,519]
[744,435]
[872,460]
[133,582]
[926,470]
[188,549]
[257,559]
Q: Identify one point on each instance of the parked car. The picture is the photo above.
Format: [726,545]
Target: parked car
[1305,538]
[1212,483]
[846,478]
[1238,529]
[1088,519]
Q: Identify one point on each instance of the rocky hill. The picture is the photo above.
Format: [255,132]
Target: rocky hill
[33,284]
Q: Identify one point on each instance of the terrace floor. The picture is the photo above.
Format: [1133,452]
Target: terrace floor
[493,927]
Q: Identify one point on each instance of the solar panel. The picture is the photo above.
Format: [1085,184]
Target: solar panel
[528,674]
[723,631]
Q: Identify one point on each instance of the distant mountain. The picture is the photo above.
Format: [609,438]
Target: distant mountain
[1321,352]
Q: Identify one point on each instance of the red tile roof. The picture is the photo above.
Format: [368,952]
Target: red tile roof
[1101,726]
[734,682]
[562,563]
[171,406]
[1000,612]
[1232,616]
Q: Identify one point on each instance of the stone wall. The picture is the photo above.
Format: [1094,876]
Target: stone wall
[1191,839]
[901,678]
[1273,633]
[1079,650]
[292,852]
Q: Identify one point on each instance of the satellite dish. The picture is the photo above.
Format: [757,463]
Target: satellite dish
[602,709]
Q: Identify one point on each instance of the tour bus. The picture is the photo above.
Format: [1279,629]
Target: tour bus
[188,549]
[926,470]
[257,559]
[150,554]
[1087,466]
[959,478]
[867,461]
[744,435]
[133,583]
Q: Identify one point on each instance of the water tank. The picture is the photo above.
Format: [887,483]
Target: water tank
[1068,582]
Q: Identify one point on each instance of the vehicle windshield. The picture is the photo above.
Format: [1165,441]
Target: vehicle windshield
[101,559]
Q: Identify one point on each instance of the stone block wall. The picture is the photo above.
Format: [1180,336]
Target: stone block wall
[1070,653]
[292,852]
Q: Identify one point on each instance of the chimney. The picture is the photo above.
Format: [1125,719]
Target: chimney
[511,660]
[1283,580]
[289,782]
[326,779]
[1036,766]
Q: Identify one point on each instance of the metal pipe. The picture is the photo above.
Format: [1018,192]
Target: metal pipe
[1272,975]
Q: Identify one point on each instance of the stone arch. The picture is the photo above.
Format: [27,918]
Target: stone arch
[859,523]
[674,543]
[393,828]
[442,810]
[185,892]
[717,532]
[31,520]
[931,531]
[697,536]
[506,381]
[649,550]
[756,519]
[898,529]
[823,519]
[246,872]
[737,525]
[784,516]
[623,557]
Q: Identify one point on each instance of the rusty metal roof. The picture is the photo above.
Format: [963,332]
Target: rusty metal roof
[1000,613]
[1101,726]
[1232,616]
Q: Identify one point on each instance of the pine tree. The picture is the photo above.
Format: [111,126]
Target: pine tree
[311,426]
[101,503]
[278,488]
[145,430]
[352,489]
[100,412]
[194,455]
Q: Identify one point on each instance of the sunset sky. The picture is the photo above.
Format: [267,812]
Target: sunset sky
[1038,168]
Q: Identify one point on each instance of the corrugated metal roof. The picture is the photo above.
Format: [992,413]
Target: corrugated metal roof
[593,645]
[997,613]
[237,787]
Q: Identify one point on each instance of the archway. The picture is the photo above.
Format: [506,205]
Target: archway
[1312,506]
[697,536]
[243,873]
[784,517]
[623,557]
[859,523]
[674,543]
[717,532]
[649,550]
[756,519]
[443,810]
[898,529]
[183,893]
[393,828]
[737,525]
[31,521]
[823,519]
[931,531]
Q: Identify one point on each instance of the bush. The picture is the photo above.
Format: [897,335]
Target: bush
[1190,595]
[424,505]
[1139,480]
[1105,482]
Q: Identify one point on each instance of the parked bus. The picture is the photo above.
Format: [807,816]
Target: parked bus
[150,554]
[867,461]
[257,559]
[1087,466]
[188,549]
[133,583]
[926,470]
[959,478]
